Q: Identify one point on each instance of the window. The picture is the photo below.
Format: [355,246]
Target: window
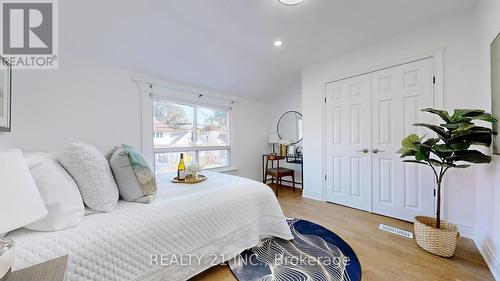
[201,133]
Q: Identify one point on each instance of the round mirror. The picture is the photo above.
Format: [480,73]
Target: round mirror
[290,127]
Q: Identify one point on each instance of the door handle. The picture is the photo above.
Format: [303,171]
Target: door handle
[364,150]
[377,151]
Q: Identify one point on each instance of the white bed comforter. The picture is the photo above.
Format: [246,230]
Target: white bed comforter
[212,221]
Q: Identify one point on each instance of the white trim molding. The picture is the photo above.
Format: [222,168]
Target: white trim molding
[466,231]
[489,255]
[152,88]
[313,195]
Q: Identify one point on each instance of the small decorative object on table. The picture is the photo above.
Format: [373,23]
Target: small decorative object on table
[298,151]
[283,147]
[181,169]
[192,170]
[452,148]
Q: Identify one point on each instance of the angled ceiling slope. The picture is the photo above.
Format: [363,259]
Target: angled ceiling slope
[227,45]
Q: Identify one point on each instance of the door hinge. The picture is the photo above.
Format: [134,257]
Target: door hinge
[433,79]
[325,99]
[325,177]
[434,192]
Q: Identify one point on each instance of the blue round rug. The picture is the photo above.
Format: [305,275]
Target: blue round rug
[316,253]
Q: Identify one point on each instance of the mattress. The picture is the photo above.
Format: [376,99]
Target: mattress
[187,229]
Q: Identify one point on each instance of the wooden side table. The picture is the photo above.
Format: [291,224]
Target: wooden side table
[299,160]
[52,270]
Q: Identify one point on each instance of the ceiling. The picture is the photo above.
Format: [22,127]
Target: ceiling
[227,45]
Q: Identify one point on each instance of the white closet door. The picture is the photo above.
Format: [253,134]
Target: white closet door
[348,137]
[401,190]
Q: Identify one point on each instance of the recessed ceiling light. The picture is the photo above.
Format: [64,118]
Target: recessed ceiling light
[278,43]
[290,2]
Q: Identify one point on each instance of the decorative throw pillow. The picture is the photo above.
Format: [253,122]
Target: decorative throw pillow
[59,193]
[133,174]
[92,174]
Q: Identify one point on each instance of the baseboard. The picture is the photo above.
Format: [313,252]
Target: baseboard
[312,195]
[466,231]
[489,257]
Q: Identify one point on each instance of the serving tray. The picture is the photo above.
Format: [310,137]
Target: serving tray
[200,178]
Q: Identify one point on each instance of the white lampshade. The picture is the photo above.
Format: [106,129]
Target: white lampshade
[273,138]
[20,201]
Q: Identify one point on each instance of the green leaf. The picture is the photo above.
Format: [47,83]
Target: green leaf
[441,113]
[471,156]
[463,114]
[472,137]
[407,153]
[442,155]
[438,130]
[464,128]
[443,148]
[460,146]
[410,142]
[451,148]
[468,129]
[481,116]
[431,141]
[422,154]
[415,162]
[452,126]
[461,166]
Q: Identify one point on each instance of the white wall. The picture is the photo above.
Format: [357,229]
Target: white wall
[250,137]
[286,102]
[100,104]
[488,178]
[458,37]
[82,100]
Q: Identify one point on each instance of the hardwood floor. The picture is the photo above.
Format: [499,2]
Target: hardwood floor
[383,256]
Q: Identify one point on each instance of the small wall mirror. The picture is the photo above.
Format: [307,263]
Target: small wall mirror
[290,127]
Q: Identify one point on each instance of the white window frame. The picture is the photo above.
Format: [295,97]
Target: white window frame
[196,148]
[187,95]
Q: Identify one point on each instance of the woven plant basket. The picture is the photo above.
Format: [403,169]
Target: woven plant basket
[441,242]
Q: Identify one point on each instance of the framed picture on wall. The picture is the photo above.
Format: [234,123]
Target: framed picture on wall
[5,95]
[495,90]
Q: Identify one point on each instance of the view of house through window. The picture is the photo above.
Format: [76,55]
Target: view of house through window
[200,132]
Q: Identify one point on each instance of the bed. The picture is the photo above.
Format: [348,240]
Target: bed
[187,229]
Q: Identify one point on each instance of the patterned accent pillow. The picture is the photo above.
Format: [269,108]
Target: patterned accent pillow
[92,174]
[133,174]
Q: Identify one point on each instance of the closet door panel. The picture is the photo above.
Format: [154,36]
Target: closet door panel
[348,137]
[400,190]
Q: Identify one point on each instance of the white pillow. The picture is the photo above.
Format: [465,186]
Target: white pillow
[92,174]
[59,193]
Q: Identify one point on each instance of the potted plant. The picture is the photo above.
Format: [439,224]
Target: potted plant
[450,149]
